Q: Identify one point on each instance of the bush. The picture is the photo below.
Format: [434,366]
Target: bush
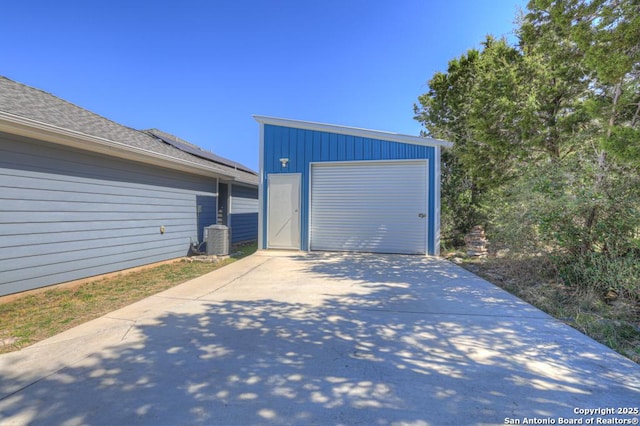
[601,273]
[459,204]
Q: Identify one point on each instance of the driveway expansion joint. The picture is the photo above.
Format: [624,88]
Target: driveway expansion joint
[267,259]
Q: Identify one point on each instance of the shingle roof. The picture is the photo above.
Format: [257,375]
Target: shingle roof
[35,104]
[183,145]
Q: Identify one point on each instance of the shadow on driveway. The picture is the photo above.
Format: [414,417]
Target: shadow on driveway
[390,340]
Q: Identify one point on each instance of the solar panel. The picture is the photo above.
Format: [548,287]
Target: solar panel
[194,150]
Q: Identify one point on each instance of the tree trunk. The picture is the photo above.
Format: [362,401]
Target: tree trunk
[591,219]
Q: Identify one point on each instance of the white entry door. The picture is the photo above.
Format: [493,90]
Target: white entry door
[371,206]
[283,206]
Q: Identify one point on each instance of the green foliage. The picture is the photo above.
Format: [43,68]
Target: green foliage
[444,112]
[459,208]
[603,274]
[624,144]
[550,206]
[547,139]
[608,31]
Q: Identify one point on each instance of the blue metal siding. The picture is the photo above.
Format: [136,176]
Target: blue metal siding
[66,214]
[303,146]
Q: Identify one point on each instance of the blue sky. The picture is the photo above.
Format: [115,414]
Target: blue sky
[201,69]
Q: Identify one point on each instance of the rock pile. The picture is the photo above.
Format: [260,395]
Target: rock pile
[204,258]
[476,242]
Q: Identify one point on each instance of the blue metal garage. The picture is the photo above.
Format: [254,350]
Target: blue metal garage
[337,188]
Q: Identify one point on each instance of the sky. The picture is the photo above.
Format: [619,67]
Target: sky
[201,69]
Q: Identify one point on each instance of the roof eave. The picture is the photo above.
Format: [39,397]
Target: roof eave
[34,129]
[353,131]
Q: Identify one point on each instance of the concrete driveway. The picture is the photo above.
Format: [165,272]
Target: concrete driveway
[325,338]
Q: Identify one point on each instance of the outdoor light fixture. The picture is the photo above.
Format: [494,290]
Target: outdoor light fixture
[284,162]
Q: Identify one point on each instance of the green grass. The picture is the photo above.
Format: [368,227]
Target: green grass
[37,316]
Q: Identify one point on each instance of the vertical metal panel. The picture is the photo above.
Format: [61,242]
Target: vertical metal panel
[66,214]
[274,137]
[342,148]
[316,150]
[324,155]
[369,206]
[298,155]
[359,148]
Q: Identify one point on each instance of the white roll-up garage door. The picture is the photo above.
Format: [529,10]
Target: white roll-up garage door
[370,206]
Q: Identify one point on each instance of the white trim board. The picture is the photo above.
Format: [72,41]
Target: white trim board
[261,195]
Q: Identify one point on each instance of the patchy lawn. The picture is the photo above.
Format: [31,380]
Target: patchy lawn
[37,316]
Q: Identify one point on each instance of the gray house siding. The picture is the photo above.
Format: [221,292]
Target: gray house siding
[244,214]
[244,227]
[66,214]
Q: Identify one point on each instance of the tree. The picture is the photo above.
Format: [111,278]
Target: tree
[546,133]
[444,112]
[605,36]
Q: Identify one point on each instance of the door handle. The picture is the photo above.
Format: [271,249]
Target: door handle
[422,215]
